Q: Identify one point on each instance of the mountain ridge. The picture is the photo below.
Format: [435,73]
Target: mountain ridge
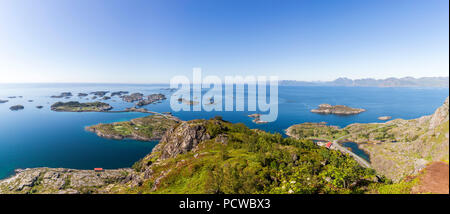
[435,82]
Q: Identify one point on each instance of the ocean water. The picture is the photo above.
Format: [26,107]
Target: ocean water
[39,137]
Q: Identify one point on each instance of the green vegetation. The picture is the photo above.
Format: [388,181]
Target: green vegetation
[253,161]
[74,106]
[146,128]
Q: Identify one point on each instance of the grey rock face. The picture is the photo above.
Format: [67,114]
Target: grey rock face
[181,139]
[440,115]
[61,180]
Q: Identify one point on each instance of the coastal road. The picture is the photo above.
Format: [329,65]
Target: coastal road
[344,150]
[360,160]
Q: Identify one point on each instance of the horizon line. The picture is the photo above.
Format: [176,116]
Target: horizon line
[165,83]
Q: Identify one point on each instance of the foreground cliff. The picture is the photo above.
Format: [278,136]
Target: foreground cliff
[211,156]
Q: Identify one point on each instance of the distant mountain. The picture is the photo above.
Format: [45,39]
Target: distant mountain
[439,82]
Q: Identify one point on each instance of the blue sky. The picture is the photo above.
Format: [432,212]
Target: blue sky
[152,41]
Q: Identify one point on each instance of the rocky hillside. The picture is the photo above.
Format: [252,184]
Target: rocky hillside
[404,147]
[397,148]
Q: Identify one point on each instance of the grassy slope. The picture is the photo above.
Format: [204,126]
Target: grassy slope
[253,161]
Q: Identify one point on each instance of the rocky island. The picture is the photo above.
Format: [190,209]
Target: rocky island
[3,101]
[16,107]
[62,181]
[397,148]
[99,93]
[257,119]
[63,94]
[147,128]
[74,106]
[153,98]
[337,109]
[118,93]
[384,118]
[215,156]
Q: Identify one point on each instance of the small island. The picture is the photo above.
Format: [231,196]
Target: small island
[118,93]
[3,101]
[384,118]
[257,119]
[63,94]
[16,107]
[153,98]
[82,94]
[147,128]
[337,109]
[39,107]
[74,106]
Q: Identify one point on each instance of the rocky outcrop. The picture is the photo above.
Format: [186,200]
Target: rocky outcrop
[181,139]
[118,93]
[3,101]
[337,109]
[63,181]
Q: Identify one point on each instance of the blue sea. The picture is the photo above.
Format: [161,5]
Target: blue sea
[40,137]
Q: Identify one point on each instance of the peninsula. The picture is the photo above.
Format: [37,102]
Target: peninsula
[74,106]
[149,128]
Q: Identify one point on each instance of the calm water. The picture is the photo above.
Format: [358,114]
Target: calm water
[39,137]
[355,149]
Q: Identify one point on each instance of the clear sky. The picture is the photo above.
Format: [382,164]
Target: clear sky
[151,41]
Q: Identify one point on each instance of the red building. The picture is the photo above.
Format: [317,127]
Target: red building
[98,169]
[329,144]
